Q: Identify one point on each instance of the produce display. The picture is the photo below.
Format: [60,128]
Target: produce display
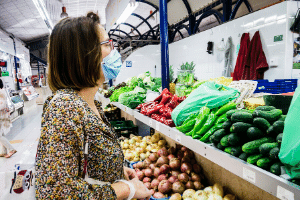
[145,81]
[110,91]
[161,108]
[133,98]
[115,95]
[185,74]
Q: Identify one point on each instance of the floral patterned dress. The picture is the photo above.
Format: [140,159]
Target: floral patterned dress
[67,124]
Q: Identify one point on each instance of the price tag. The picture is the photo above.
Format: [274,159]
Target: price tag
[284,194]
[249,175]
[157,126]
[150,122]
[178,138]
[125,109]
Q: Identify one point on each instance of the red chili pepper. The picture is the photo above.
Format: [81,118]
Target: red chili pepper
[165,91]
[154,109]
[174,102]
[181,99]
[155,116]
[169,122]
[168,113]
[162,110]
[143,104]
[165,99]
[162,119]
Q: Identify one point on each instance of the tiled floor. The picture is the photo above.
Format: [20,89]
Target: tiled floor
[24,137]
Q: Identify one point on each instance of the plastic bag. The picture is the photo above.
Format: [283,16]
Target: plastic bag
[290,148]
[211,94]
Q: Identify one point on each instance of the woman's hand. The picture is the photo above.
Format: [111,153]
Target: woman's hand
[129,173]
[141,191]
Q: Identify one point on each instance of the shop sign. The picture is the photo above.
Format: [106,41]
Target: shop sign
[128,63]
[278,38]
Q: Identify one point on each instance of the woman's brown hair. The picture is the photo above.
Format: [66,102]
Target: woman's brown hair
[74,53]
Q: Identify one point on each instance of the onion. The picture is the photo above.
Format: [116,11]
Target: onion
[164,186]
[171,150]
[162,152]
[146,162]
[178,146]
[164,169]
[185,159]
[153,157]
[183,177]
[148,172]
[139,165]
[152,191]
[162,177]
[143,170]
[175,196]
[178,187]
[171,156]
[196,168]
[154,184]
[184,148]
[162,160]
[186,168]
[180,154]
[156,172]
[152,166]
[195,177]
[158,195]
[173,179]
[146,179]
[148,185]
[175,163]
[175,173]
[198,185]
[193,161]
[140,175]
[134,165]
[189,153]
[189,185]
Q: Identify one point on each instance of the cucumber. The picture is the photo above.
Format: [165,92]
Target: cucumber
[279,138]
[278,126]
[235,151]
[282,118]
[261,123]
[253,146]
[265,108]
[274,153]
[264,163]
[226,125]
[271,131]
[271,116]
[224,141]
[219,146]
[254,133]
[276,168]
[254,158]
[240,127]
[242,117]
[243,156]
[233,139]
[217,136]
[265,148]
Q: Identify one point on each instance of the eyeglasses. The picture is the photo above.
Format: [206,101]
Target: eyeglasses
[108,42]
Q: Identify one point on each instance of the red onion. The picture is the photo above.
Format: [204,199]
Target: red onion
[152,191]
[193,161]
[178,146]
[158,195]
[183,177]
[154,183]
[184,148]
[180,154]
[139,165]
[153,157]
[162,152]
[196,168]
[171,150]
[178,187]
[164,186]
[162,160]
[162,177]
[173,179]
[152,166]
[185,159]
[195,177]
[140,175]
[146,179]
[189,153]
[143,170]
[156,172]
[189,185]
[148,172]
[171,156]
[175,173]
[186,168]
[148,185]
[164,169]
[134,165]
[198,185]
[146,162]
[175,163]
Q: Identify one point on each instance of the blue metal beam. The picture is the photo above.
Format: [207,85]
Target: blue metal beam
[133,28]
[237,6]
[192,18]
[227,9]
[121,32]
[150,27]
[38,59]
[164,43]
[216,13]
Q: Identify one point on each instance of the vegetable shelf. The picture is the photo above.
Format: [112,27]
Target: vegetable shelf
[265,180]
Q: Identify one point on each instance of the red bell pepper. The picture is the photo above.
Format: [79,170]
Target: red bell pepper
[165,91]
[154,109]
[165,99]
[169,122]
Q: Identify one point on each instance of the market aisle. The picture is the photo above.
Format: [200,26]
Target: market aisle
[24,137]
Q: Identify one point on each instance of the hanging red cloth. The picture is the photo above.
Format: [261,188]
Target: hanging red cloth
[256,63]
[242,57]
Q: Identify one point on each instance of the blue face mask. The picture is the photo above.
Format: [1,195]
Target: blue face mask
[111,65]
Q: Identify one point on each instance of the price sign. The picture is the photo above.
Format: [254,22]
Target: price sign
[249,175]
[157,126]
[178,138]
[284,194]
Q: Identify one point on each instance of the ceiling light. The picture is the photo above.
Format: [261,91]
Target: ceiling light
[39,4]
[64,12]
[127,12]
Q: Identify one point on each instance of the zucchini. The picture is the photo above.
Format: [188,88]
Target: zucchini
[278,126]
[233,139]
[264,163]
[265,108]
[224,141]
[282,118]
[240,127]
[274,153]
[226,125]
[254,158]
[217,136]
[253,146]
[242,117]
[261,123]
[279,138]
[243,156]
[265,148]
[219,146]
[254,133]
[271,116]
[235,151]
[276,168]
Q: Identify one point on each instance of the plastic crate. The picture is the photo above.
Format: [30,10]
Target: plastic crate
[125,128]
[113,115]
[277,87]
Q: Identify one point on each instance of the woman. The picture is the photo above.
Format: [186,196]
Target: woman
[5,124]
[79,156]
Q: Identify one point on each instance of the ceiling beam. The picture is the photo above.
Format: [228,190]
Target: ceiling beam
[150,27]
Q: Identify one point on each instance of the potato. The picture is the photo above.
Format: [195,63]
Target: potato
[229,197]
[218,189]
